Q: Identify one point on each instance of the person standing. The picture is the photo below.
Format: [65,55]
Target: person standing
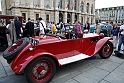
[12,34]
[121,39]
[87,26]
[54,29]
[109,29]
[42,25]
[29,27]
[18,26]
[98,28]
[116,35]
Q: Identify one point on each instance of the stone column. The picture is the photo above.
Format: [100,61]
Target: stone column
[85,5]
[65,17]
[85,18]
[89,19]
[89,8]
[79,4]
[79,17]
[57,17]
[73,18]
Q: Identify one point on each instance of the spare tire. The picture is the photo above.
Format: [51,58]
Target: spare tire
[15,48]
[3,43]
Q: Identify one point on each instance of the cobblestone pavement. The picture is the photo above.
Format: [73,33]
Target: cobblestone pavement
[97,70]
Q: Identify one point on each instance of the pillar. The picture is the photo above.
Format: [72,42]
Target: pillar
[73,18]
[65,17]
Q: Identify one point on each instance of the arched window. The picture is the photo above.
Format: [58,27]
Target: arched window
[75,17]
[47,3]
[87,7]
[59,3]
[60,17]
[82,20]
[68,4]
[47,18]
[75,4]
[68,18]
[92,9]
[82,7]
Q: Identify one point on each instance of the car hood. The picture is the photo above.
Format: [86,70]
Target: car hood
[44,39]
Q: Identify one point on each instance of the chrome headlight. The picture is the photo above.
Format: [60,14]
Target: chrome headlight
[34,41]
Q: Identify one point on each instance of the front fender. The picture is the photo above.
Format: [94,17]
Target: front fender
[101,43]
[20,63]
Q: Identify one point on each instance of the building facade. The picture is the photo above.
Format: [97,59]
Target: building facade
[52,10]
[111,14]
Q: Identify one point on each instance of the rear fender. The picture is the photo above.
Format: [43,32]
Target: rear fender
[101,43]
[20,64]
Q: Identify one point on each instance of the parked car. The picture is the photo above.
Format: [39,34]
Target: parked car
[103,29]
[3,39]
[39,56]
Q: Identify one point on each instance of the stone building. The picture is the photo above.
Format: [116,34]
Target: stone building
[114,14]
[52,10]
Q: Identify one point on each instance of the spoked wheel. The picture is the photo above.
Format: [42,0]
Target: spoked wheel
[13,49]
[106,50]
[41,70]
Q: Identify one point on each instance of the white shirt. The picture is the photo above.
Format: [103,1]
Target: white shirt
[42,26]
[122,27]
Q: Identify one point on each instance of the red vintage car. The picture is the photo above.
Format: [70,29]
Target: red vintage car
[38,57]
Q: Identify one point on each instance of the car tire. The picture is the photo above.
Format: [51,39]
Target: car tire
[106,50]
[3,43]
[13,50]
[40,70]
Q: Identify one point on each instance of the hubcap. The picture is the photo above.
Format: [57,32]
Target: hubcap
[15,46]
[107,50]
[41,71]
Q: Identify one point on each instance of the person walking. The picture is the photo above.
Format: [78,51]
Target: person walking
[116,35]
[29,27]
[42,25]
[18,26]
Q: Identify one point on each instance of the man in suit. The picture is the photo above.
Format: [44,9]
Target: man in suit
[29,28]
[18,26]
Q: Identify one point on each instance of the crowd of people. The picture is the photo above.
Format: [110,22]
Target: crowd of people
[17,29]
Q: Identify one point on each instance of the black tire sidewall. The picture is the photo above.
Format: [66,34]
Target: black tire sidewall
[5,45]
[29,68]
[100,52]
[11,55]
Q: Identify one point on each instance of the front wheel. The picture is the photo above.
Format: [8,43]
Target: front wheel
[106,50]
[41,70]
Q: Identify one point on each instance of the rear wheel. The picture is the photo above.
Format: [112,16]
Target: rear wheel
[41,70]
[15,48]
[106,50]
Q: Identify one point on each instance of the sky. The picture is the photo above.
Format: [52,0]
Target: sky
[108,3]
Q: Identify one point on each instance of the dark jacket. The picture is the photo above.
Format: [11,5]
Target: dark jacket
[29,29]
[18,26]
